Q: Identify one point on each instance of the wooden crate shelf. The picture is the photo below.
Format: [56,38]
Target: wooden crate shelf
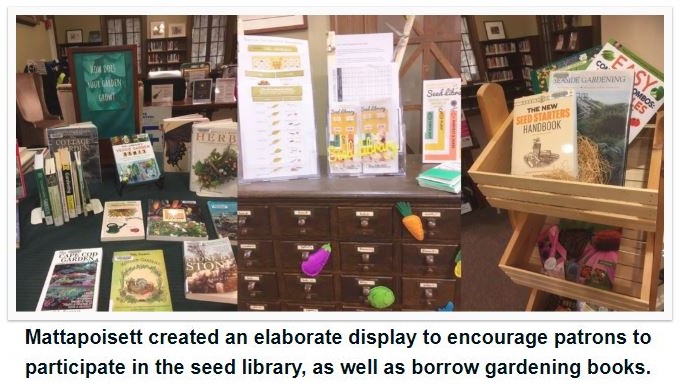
[636,207]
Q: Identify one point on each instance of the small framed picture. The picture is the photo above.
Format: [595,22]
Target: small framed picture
[494,30]
[157,29]
[95,37]
[177,30]
[74,36]
[202,91]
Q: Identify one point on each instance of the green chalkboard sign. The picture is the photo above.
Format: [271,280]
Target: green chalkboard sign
[105,88]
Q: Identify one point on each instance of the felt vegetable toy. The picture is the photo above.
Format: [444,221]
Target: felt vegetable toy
[380,297]
[316,261]
[412,222]
[447,308]
[458,270]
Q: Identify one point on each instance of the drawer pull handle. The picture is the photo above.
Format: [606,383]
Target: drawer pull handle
[431,223]
[248,253]
[428,293]
[308,287]
[242,220]
[429,259]
[251,286]
[365,257]
[365,268]
[366,291]
[364,222]
[305,255]
[249,263]
[302,221]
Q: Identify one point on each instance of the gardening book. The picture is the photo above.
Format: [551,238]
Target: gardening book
[441,120]
[42,186]
[177,141]
[544,136]
[224,218]
[20,182]
[648,89]
[214,158]
[81,137]
[72,283]
[122,220]
[135,159]
[575,62]
[139,282]
[54,194]
[603,104]
[210,271]
[174,220]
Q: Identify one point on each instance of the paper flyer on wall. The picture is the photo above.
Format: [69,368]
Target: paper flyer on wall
[363,83]
[441,120]
[276,109]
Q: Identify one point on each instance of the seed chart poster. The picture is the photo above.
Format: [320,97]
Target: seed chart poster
[105,88]
[276,110]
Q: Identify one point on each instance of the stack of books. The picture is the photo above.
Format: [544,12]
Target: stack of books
[444,177]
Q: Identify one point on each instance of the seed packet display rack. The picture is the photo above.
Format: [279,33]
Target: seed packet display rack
[532,201]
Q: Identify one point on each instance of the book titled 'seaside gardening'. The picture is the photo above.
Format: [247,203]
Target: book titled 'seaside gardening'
[603,107]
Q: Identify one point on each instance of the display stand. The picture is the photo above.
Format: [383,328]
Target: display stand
[121,185]
[637,209]
[95,206]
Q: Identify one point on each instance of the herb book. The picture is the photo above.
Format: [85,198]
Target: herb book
[214,158]
[72,283]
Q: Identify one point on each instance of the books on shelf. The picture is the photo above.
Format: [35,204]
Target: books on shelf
[139,282]
[174,220]
[122,220]
[441,120]
[575,62]
[135,159]
[444,177]
[224,218]
[81,137]
[603,106]
[214,158]
[72,282]
[648,88]
[177,141]
[210,271]
[544,137]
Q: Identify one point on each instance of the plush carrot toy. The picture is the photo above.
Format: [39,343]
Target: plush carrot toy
[412,222]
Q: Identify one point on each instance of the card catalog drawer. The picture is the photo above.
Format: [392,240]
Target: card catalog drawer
[308,307]
[428,259]
[355,289]
[365,222]
[253,221]
[293,253]
[438,223]
[257,285]
[427,293]
[366,257]
[301,287]
[254,254]
[301,221]
[257,306]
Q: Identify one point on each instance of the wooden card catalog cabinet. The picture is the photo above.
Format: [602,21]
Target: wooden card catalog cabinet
[281,224]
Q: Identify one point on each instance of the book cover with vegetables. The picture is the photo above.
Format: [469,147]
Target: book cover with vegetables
[174,220]
[210,271]
[72,282]
[135,159]
[139,282]
[603,107]
[214,159]
[648,87]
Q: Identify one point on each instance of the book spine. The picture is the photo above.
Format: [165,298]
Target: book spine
[67,175]
[64,207]
[54,192]
[85,192]
[41,183]
[75,179]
